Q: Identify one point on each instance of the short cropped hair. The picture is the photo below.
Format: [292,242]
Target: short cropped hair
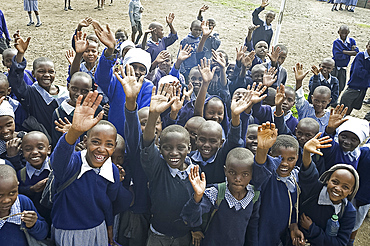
[290,89]
[39,60]
[284,141]
[322,90]
[154,25]
[211,124]
[7,172]
[196,120]
[195,22]
[102,122]
[30,134]
[175,128]
[282,47]
[343,27]
[4,79]
[258,67]
[82,75]
[311,122]
[329,60]
[94,38]
[241,154]
[120,141]
[9,50]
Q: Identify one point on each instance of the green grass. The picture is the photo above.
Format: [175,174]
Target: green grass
[294,109]
[363,25]
[240,4]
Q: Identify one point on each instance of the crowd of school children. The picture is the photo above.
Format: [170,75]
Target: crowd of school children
[137,151]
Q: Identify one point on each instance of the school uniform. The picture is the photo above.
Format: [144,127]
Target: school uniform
[154,48]
[279,191]
[35,100]
[3,30]
[213,42]
[281,74]
[96,191]
[317,205]
[307,110]
[192,61]
[319,80]
[10,232]
[17,161]
[110,85]
[214,166]
[263,32]
[234,221]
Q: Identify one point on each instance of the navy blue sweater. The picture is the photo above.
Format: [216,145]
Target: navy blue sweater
[89,200]
[342,60]
[363,169]
[315,82]
[360,73]
[260,33]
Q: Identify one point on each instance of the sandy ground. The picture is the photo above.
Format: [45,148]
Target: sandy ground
[309,29]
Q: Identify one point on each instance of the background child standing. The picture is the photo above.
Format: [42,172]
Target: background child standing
[134,12]
[29,6]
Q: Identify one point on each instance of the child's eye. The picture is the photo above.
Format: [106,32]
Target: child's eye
[41,147]
[245,174]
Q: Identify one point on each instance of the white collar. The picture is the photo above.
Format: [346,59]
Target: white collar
[33,171]
[182,174]
[324,199]
[345,41]
[106,170]
[238,204]
[267,27]
[15,209]
[323,78]
[67,107]
[366,55]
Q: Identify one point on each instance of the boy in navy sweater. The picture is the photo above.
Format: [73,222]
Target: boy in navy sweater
[22,211]
[358,82]
[264,31]
[343,48]
[236,220]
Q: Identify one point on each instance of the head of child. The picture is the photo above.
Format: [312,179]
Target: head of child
[321,97]
[257,73]
[80,84]
[214,110]
[230,72]
[100,143]
[270,16]
[352,132]
[196,29]
[238,169]
[121,35]
[118,156]
[209,139]
[342,181]
[165,65]
[306,129]
[157,32]
[283,53]
[35,148]
[192,126]
[4,86]
[289,99]
[270,99]
[343,32]
[125,47]
[91,54]
[140,60]
[327,65]
[196,79]
[174,145]
[211,23]
[143,115]
[251,138]
[8,189]
[287,148]
[44,72]
[261,49]
[8,55]
[7,124]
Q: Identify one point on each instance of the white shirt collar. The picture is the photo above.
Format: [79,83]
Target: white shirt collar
[15,209]
[366,55]
[323,78]
[267,27]
[182,174]
[106,170]
[345,41]
[67,107]
[324,199]
[33,171]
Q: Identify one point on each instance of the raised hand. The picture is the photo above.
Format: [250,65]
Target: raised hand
[269,77]
[184,52]
[248,59]
[29,218]
[316,143]
[251,28]
[85,23]
[280,95]
[206,31]
[336,118]
[266,136]
[240,104]
[204,8]
[198,182]
[129,83]
[187,92]
[264,3]
[218,57]
[178,102]
[299,75]
[62,126]
[205,70]
[19,43]
[274,56]
[70,55]
[257,92]
[240,53]
[170,18]
[160,100]
[162,56]
[13,146]
[197,237]
[81,44]
[315,70]
[105,36]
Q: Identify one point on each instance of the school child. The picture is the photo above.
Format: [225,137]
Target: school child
[69,5]
[358,82]
[80,84]
[40,99]
[270,99]
[4,41]
[321,98]
[324,197]
[322,77]
[192,126]
[135,10]
[24,218]
[351,132]
[261,48]
[157,42]
[236,219]
[277,58]
[104,77]
[343,48]
[251,138]
[30,6]
[264,31]
[350,5]
[96,179]
[277,178]
[192,40]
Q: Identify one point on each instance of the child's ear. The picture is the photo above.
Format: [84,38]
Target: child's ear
[85,140]
[49,149]
[222,142]
[68,85]
[33,73]
[9,90]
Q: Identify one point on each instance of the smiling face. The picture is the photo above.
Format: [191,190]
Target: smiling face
[78,86]
[100,144]
[196,29]
[289,100]
[143,114]
[214,110]
[8,194]
[4,88]
[44,74]
[320,102]
[261,49]
[305,132]
[159,31]
[196,79]
[326,67]
[348,141]
[269,18]
[209,140]
[282,57]
[340,185]
[174,147]
[7,127]
[91,53]
[35,148]
[165,66]
[238,174]
[192,128]
[139,69]
[251,139]
[289,158]
[257,74]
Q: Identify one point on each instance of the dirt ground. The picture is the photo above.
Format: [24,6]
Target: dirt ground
[309,29]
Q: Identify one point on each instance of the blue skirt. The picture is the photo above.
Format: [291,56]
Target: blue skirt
[30,5]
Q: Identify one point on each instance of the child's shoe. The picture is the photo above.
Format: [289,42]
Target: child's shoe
[38,24]
[31,23]
[65,9]
[70,8]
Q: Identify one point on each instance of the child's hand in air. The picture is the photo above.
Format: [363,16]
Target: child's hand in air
[198,182]
[267,134]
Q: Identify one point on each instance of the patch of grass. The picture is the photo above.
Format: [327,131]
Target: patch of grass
[240,4]
[363,25]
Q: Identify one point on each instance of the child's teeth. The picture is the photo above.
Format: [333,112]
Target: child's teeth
[174,160]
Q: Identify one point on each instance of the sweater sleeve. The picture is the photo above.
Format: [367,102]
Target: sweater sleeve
[132,132]
[282,126]
[255,18]
[314,83]
[233,140]
[334,91]
[308,179]
[252,229]
[151,161]
[104,76]
[145,94]
[192,212]
[338,50]
[263,172]
[15,78]
[262,112]
[170,39]
[358,66]
[301,103]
